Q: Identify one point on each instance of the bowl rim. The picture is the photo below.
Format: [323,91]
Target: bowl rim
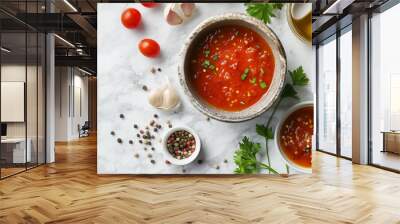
[292,109]
[191,158]
[262,27]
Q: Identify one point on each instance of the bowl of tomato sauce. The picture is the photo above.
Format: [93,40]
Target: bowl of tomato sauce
[294,136]
[233,67]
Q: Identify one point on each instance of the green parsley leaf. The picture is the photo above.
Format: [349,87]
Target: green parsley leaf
[299,78]
[212,67]
[289,91]
[215,57]
[206,53]
[206,63]
[245,74]
[263,11]
[264,131]
[253,80]
[263,85]
[246,158]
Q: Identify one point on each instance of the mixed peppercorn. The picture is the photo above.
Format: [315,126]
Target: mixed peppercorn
[181,144]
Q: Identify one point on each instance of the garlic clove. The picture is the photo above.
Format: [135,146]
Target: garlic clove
[187,8]
[156,97]
[171,15]
[171,98]
[165,97]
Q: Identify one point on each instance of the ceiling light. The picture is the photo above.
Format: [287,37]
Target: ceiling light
[84,71]
[70,5]
[64,40]
[5,50]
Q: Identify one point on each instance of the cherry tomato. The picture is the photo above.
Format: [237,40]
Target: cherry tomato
[149,4]
[130,18]
[149,48]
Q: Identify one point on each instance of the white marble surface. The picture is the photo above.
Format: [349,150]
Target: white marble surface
[122,71]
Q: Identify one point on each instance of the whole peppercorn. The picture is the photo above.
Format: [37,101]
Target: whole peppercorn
[112,133]
[130,142]
[119,140]
[122,116]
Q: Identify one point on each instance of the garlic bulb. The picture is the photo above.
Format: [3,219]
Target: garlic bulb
[171,16]
[187,8]
[164,97]
[176,13]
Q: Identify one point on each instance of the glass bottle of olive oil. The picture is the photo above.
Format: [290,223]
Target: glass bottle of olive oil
[299,19]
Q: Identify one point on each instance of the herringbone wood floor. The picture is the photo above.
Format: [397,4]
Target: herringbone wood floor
[70,191]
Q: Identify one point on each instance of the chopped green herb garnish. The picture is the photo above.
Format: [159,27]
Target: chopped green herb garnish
[253,80]
[215,57]
[263,85]
[206,53]
[212,67]
[245,74]
[206,63]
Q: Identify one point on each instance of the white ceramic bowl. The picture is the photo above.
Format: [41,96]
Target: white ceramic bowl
[185,161]
[278,80]
[277,134]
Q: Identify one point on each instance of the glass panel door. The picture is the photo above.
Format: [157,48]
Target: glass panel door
[385,89]
[13,105]
[327,96]
[346,94]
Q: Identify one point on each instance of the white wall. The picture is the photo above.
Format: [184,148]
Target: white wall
[70,83]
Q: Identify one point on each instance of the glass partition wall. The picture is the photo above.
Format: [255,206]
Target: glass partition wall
[22,77]
[334,94]
[327,96]
[385,90]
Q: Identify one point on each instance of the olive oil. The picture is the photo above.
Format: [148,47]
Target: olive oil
[300,23]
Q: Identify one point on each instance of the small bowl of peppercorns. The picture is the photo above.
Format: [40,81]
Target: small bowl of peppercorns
[181,145]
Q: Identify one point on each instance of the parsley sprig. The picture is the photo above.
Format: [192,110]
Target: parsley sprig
[246,158]
[299,78]
[263,11]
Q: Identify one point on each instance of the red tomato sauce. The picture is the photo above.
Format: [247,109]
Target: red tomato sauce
[232,68]
[296,136]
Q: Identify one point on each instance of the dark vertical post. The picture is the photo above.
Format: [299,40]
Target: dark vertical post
[338,73]
[26,86]
[369,96]
[317,96]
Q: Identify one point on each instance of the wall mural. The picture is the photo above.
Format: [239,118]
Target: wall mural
[205,88]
